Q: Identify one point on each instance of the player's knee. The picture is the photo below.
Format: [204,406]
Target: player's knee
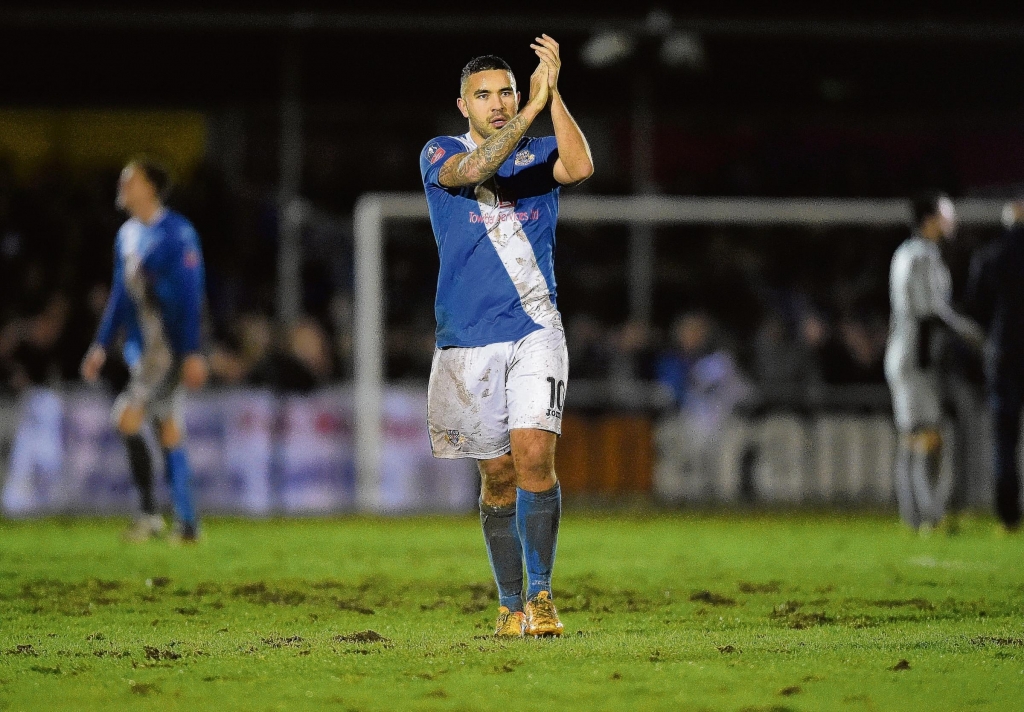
[535,466]
[498,480]
[536,479]
[170,434]
[498,491]
[926,440]
[498,494]
[129,420]
[535,469]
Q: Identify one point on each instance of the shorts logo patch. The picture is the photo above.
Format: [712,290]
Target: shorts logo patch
[454,437]
[434,153]
[524,157]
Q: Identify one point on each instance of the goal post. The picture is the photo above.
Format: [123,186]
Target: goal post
[374,210]
[368,221]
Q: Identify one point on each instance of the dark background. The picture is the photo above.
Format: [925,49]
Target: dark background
[804,100]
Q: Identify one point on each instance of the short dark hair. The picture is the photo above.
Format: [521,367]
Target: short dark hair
[156,173]
[482,64]
[926,204]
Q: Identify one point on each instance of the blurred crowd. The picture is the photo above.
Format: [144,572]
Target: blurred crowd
[740,313]
[696,353]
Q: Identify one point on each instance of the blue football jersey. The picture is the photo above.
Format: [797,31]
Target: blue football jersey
[158,288]
[496,243]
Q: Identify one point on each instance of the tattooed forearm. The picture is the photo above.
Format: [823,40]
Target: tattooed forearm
[483,162]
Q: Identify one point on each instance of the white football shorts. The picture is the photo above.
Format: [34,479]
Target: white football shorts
[154,387]
[916,399]
[477,395]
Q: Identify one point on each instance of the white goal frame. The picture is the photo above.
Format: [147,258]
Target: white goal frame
[374,210]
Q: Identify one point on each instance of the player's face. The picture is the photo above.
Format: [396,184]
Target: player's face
[489,101]
[133,189]
[947,218]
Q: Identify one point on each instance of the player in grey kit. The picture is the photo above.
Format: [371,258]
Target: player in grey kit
[920,289]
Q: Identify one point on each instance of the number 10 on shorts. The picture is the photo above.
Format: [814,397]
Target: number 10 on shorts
[557,397]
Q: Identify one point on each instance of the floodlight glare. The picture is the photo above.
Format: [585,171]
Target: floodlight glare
[606,48]
[683,50]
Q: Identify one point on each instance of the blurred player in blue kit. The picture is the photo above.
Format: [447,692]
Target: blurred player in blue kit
[498,379]
[156,302]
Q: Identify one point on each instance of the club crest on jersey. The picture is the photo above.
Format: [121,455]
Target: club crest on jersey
[434,153]
[524,157]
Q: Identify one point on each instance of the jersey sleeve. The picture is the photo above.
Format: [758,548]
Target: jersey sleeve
[940,306]
[434,155]
[547,155]
[114,313]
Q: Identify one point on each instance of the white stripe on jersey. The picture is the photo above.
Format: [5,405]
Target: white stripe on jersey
[136,242]
[132,233]
[131,239]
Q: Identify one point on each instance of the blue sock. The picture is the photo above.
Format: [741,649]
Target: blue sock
[179,477]
[538,514]
[505,552]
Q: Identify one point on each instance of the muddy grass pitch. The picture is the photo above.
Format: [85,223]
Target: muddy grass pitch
[662,611]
